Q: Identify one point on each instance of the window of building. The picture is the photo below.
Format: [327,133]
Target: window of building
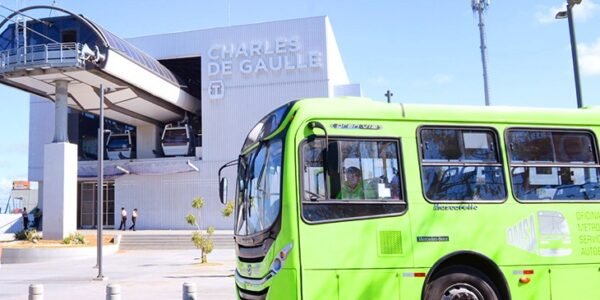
[69,36]
[351,179]
[553,165]
[461,164]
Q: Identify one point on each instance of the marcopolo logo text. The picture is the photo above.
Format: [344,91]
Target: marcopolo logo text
[455,207]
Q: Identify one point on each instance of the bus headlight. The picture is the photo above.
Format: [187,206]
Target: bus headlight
[280,259]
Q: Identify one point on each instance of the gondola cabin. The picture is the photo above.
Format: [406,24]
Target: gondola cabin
[176,140]
[120,146]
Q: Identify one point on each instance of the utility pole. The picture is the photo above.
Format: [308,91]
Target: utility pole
[568,14]
[480,6]
[389,95]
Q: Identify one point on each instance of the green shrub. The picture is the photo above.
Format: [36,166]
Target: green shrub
[228,210]
[21,235]
[204,243]
[190,219]
[75,238]
[200,240]
[30,235]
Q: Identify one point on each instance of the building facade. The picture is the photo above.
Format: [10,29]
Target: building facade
[239,73]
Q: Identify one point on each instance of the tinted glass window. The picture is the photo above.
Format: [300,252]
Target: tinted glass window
[463,183]
[449,144]
[350,179]
[461,164]
[69,36]
[118,142]
[267,125]
[137,55]
[553,165]
[176,136]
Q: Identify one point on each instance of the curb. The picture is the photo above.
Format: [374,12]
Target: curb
[33,255]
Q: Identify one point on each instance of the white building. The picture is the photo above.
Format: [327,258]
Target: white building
[240,73]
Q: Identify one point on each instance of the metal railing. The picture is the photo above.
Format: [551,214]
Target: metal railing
[42,55]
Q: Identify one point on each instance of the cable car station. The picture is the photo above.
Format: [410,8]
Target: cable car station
[177,106]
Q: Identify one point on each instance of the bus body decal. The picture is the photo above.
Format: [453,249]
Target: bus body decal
[545,233]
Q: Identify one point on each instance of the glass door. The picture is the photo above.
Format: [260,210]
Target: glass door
[87,205]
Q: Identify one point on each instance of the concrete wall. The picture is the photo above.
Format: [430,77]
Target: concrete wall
[163,201]
[60,193]
[30,198]
[147,141]
[41,132]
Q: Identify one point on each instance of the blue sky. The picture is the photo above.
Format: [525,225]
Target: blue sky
[423,51]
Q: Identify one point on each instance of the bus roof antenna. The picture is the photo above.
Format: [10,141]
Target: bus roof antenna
[479,7]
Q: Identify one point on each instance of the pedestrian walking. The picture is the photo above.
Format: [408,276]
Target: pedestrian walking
[134,215]
[25,218]
[123,225]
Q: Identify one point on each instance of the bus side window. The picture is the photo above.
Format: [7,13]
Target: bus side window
[570,171]
[366,165]
[313,173]
[460,164]
[360,178]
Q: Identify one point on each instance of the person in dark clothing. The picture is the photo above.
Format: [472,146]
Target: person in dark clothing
[25,218]
[134,215]
[123,225]
[37,218]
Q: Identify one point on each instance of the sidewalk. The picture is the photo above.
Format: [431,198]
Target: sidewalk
[149,232]
[141,275]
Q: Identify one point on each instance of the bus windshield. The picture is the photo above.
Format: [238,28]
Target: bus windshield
[258,199]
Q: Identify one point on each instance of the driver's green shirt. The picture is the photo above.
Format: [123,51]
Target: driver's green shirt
[359,192]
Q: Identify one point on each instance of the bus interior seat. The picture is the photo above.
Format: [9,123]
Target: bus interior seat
[569,192]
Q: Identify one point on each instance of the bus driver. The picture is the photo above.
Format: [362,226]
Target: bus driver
[353,187]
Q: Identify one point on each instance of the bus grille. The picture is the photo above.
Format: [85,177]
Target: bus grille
[390,243]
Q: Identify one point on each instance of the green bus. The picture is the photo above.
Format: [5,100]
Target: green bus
[349,198]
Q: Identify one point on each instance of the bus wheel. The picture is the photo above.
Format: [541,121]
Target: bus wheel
[460,283]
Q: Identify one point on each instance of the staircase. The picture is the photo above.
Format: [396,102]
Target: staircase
[170,241]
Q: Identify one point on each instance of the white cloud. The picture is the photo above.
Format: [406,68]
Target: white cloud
[546,15]
[585,10]
[589,58]
[582,12]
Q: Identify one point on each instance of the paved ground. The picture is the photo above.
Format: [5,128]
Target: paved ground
[143,274]
[147,232]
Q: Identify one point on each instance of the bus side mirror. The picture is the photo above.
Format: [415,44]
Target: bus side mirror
[223,190]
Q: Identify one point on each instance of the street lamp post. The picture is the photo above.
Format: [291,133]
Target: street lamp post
[100,194]
[568,14]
